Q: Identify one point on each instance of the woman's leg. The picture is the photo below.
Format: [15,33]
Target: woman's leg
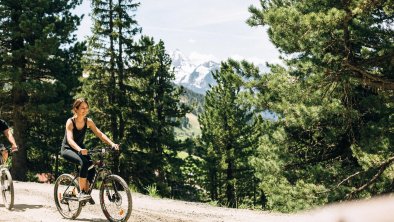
[87,162]
[83,184]
[81,160]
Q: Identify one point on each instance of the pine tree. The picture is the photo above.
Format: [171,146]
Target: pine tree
[109,68]
[109,62]
[160,100]
[35,42]
[331,103]
[227,131]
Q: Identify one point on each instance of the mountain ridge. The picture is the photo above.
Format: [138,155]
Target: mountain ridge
[197,78]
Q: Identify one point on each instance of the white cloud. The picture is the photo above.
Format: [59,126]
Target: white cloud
[191,41]
[198,58]
[254,60]
[212,17]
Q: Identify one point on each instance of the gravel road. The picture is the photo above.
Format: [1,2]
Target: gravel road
[34,202]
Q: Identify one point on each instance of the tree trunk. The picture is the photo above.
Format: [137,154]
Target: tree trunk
[19,100]
[230,188]
[56,165]
[213,182]
[19,160]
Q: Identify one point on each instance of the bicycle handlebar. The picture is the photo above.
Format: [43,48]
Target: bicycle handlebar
[102,150]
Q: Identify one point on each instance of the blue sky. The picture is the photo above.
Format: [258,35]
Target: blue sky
[201,29]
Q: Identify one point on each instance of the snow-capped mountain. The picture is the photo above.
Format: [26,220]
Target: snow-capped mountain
[201,77]
[198,77]
[194,77]
[182,66]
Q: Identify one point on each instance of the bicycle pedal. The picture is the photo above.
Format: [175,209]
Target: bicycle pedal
[91,201]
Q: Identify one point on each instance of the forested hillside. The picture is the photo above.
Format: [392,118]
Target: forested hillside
[189,125]
[194,100]
[332,97]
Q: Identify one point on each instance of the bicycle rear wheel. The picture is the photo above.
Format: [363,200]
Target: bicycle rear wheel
[7,188]
[115,198]
[66,196]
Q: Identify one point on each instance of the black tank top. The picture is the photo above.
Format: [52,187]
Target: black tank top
[78,135]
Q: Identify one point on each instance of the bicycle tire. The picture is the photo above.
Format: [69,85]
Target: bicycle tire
[65,192]
[7,188]
[119,197]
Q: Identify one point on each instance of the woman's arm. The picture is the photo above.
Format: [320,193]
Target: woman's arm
[100,134]
[11,138]
[70,138]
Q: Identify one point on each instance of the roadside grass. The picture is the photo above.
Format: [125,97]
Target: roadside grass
[152,191]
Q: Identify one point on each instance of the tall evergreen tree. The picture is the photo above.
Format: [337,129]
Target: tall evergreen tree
[331,103]
[227,131]
[108,65]
[35,42]
[160,100]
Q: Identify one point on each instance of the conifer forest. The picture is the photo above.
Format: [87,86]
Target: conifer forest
[316,128]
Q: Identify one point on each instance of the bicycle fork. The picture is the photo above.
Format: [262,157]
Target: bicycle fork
[115,196]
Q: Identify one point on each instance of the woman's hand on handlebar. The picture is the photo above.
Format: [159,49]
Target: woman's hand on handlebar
[115,146]
[14,148]
[83,152]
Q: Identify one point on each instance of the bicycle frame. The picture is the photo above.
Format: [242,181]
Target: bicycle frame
[101,172]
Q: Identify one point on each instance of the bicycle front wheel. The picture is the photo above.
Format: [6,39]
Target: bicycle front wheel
[115,198]
[7,188]
[65,194]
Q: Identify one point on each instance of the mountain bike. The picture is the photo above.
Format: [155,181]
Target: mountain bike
[7,186]
[114,194]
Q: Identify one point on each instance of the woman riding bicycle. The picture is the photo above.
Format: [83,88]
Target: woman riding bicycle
[73,148]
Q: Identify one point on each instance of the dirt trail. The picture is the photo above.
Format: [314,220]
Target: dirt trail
[34,202]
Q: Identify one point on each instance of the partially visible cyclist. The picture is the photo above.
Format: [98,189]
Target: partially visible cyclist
[73,148]
[8,134]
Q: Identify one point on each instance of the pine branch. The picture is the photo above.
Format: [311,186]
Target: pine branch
[380,171]
[370,79]
[348,178]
